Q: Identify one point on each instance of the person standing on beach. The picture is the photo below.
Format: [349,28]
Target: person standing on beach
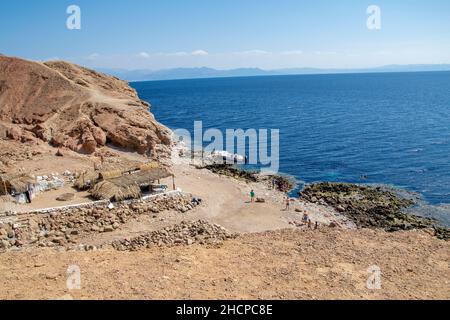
[288,204]
[252,196]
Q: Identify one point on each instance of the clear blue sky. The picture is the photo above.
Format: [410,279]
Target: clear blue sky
[157,34]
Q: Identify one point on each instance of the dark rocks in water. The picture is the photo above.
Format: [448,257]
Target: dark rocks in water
[278,182]
[371,207]
[231,171]
[281,183]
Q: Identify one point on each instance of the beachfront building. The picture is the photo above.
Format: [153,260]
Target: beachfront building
[119,185]
[22,188]
[129,186]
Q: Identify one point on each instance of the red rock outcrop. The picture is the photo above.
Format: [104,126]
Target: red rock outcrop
[69,106]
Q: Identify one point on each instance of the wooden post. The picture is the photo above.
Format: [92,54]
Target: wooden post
[5,190]
[173,183]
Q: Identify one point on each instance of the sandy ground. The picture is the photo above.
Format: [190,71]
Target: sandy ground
[48,199]
[287,264]
[227,202]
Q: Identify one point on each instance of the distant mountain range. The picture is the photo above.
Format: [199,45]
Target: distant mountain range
[199,73]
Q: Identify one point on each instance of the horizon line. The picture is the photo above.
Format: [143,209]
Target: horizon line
[287,75]
[270,69]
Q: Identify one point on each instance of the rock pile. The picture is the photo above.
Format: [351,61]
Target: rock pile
[185,233]
[63,228]
[66,197]
[9,235]
[370,207]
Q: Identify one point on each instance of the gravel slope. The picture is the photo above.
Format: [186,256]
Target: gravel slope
[286,264]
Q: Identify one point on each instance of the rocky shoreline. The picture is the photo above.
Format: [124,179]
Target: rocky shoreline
[366,206]
[279,182]
[371,207]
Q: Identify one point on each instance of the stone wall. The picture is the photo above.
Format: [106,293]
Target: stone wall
[63,227]
[185,233]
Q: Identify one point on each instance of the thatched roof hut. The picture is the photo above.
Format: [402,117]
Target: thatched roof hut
[86,180]
[8,204]
[111,174]
[127,186]
[106,190]
[6,199]
[15,183]
[141,178]
[149,166]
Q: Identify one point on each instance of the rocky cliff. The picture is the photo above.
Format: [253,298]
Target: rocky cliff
[69,106]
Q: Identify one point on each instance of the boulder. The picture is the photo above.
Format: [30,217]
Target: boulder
[66,197]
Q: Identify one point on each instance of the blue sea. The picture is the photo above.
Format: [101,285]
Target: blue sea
[384,128]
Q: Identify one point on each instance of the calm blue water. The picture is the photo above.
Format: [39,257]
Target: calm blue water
[394,128]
